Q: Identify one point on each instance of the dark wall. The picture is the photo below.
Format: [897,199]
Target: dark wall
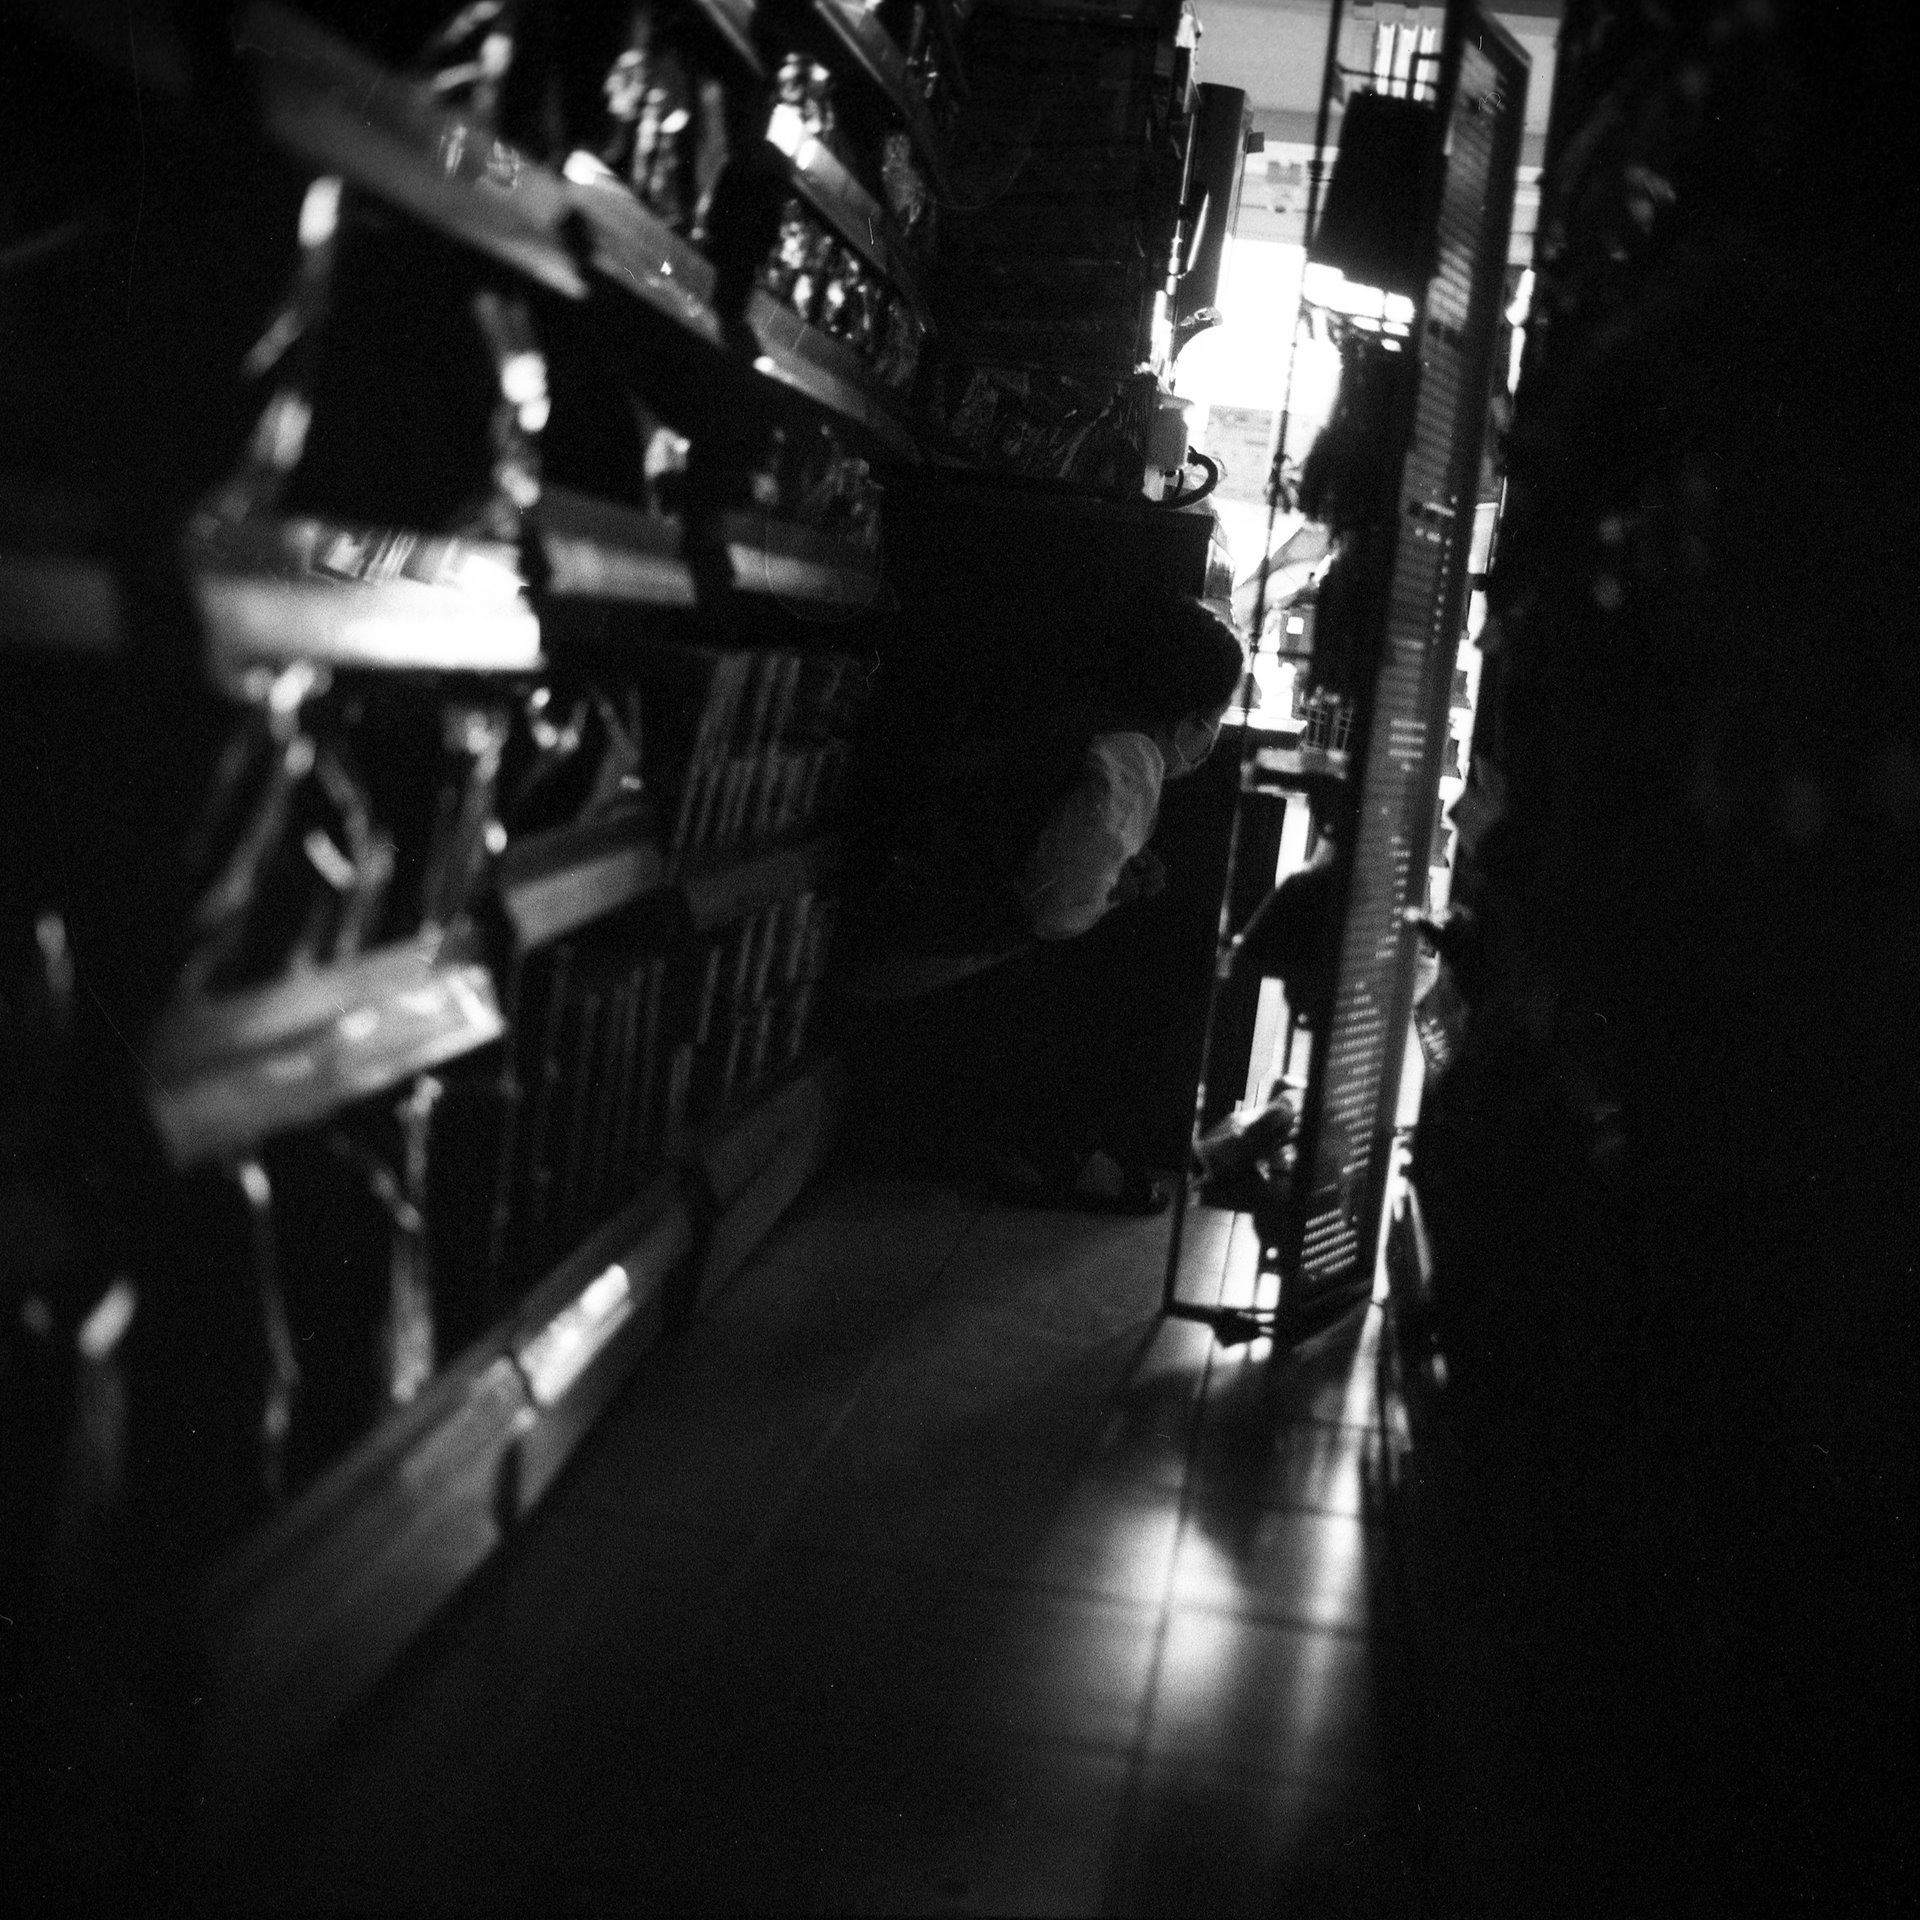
[1669,1179]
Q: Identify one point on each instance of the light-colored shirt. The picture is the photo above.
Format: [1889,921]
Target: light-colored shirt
[1109,817]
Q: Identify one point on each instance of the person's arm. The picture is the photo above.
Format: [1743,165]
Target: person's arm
[1069,878]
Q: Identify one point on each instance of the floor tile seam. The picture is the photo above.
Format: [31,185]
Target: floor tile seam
[1255,1615]
[1068,1346]
[1034,1586]
[1024,1741]
[1115,1873]
[1338,1784]
[764,1536]
[1262,1504]
[1008,1584]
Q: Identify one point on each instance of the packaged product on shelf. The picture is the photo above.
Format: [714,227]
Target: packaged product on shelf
[474,738]
[815,705]
[793,954]
[403,384]
[761,1057]
[343,1233]
[674,1107]
[739,968]
[573,754]
[599,1018]
[905,192]
[796,1016]
[467,1145]
[642,90]
[766,943]
[293,868]
[706,973]
[333,825]
[642,1141]
[819,939]
[1089,429]
[689,696]
[603,437]
[810,92]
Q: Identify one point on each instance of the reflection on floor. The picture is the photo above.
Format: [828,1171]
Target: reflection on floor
[932,1572]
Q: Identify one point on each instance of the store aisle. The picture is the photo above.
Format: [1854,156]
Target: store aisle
[931,1572]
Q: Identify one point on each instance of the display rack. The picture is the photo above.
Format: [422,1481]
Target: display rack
[554,883]
[520,703]
[304,1617]
[873,53]
[225,1074]
[845,205]
[598,551]
[1401,730]
[1323,1240]
[274,593]
[341,112]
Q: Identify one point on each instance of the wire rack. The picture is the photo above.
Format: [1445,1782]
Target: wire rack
[1321,1242]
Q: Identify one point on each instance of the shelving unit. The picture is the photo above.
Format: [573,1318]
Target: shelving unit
[875,56]
[795,563]
[733,888]
[735,20]
[225,1074]
[814,365]
[594,550]
[507,696]
[346,597]
[853,213]
[309,1612]
[554,883]
[1403,536]
[342,113]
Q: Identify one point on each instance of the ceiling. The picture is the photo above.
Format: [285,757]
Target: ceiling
[1276,49]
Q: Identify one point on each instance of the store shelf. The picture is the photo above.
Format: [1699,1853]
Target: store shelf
[873,53]
[553,883]
[813,364]
[757,1163]
[225,1074]
[280,591]
[305,1616]
[793,563]
[331,106]
[596,550]
[853,213]
[722,893]
[636,251]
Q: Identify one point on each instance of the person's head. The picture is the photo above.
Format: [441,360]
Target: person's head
[1177,668]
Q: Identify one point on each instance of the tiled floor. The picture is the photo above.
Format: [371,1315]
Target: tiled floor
[931,1572]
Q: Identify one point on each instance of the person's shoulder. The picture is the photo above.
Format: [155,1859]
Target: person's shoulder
[1130,758]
